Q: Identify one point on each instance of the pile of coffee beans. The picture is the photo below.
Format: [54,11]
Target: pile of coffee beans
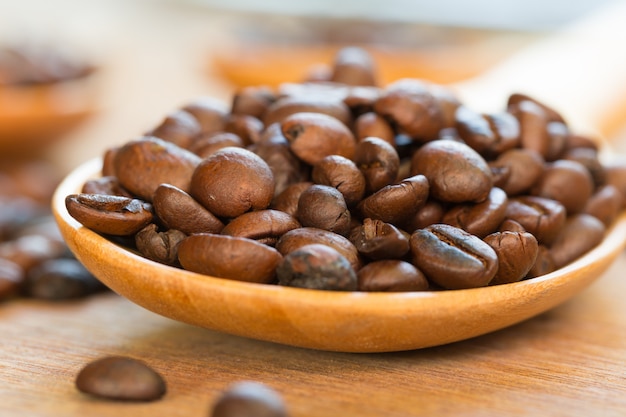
[38,64]
[336,183]
[34,260]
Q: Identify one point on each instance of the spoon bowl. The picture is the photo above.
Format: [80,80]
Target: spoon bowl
[324,320]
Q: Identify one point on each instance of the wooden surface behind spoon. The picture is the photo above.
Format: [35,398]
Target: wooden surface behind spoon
[325,320]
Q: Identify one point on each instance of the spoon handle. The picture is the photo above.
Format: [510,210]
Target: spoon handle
[580,71]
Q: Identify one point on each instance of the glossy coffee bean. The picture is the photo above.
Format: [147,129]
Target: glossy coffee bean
[297,238]
[343,174]
[391,275]
[542,217]
[178,210]
[475,130]
[557,183]
[285,166]
[605,204]
[371,124]
[317,266]
[456,173]
[159,246]
[205,145]
[378,161]
[229,257]
[252,101]
[544,264]
[506,130]
[353,66]
[286,106]
[209,112]
[249,399]
[108,214]
[479,219]
[246,127]
[581,233]
[313,136]
[453,258]
[323,207]
[179,127]
[396,203]
[264,226]
[287,200]
[213,183]
[517,253]
[524,169]
[121,378]
[109,185]
[376,239]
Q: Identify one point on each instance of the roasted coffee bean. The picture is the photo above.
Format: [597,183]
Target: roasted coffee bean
[212,182]
[17,212]
[376,239]
[557,134]
[110,214]
[229,257]
[179,127]
[317,266]
[330,105]
[448,103]
[378,161]
[343,174]
[178,210]
[248,128]
[31,250]
[287,200]
[372,125]
[517,253]
[391,275]
[524,168]
[581,233]
[296,238]
[205,145]
[249,399]
[479,219]
[551,114]
[324,207]
[60,279]
[557,184]
[253,101]
[313,136]
[430,213]
[588,157]
[542,217]
[605,204]
[509,225]
[410,105]
[121,378]
[264,226]
[456,173]
[506,130]
[159,246]
[144,164]
[533,123]
[108,162]
[544,264]
[475,130]
[108,185]
[396,203]
[285,166]
[210,113]
[361,99]
[453,258]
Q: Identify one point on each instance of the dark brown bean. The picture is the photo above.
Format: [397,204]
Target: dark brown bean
[60,279]
[324,207]
[178,210]
[456,173]
[179,127]
[376,239]
[353,66]
[252,100]
[209,112]
[109,185]
[313,136]
[264,226]
[329,105]
[397,203]
[317,266]
[475,130]
[581,233]
[235,258]
[557,183]
[109,214]
[343,174]
[524,168]
[479,219]
[122,379]
[453,258]
[605,204]
[373,125]
[205,145]
[12,278]
[517,253]
[542,217]
[231,182]
[159,246]
[287,200]
[249,399]
[391,275]
[378,161]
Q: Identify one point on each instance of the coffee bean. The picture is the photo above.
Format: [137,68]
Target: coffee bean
[249,399]
[376,239]
[543,217]
[517,253]
[60,279]
[11,278]
[159,246]
[581,233]
[317,266]
[264,226]
[396,203]
[179,127]
[324,207]
[453,258]
[482,218]
[343,174]
[378,161]
[556,184]
[121,379]
[391,275]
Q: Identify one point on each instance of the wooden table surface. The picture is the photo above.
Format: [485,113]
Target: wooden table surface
[570,361]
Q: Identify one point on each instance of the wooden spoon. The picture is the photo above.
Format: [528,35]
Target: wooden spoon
[355,321]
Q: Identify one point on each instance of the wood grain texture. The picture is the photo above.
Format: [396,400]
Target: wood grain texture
[570,361]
